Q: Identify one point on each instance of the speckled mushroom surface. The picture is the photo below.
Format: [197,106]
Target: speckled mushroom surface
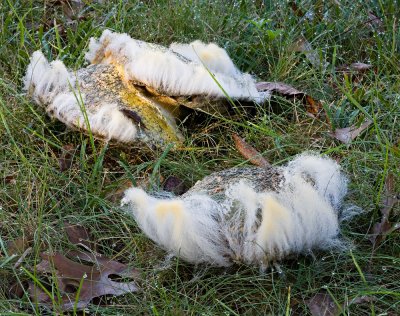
[132,91]
[250,215]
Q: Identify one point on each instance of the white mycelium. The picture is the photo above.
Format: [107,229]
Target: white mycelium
[181,69]
[99,96]
[247,214]
[53,86]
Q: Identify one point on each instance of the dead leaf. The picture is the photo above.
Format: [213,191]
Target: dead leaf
[117,194]
[22,258]
[347,134]
[11,179]
[362,299]
[78,235]
[19,245]
[16,290]
[358,301]
[379,231]
[385,227]
[375,22]
[38,295]
[361,67]
[86,273]
[313,106]
[353,69]
[278,87]
[249,152]
[175,185]
[354,72]
[94,280]
[390,198]
[65,160]
[322,305]
[149,181]
[296,10]
[304,46]
[70,8]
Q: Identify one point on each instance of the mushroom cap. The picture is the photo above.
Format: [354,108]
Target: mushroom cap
[248,214]
[216,184]
[134,92]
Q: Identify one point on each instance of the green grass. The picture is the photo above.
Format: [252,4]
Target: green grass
[36,198]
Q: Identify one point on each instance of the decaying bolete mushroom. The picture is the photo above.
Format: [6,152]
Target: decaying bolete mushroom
[248,215]
[133,91]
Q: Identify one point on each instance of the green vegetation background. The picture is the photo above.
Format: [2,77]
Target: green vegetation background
[36,197]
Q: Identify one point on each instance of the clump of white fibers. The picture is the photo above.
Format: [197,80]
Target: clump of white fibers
[46,80]
[54,87]
[221,221]
[108,97]
[181,69]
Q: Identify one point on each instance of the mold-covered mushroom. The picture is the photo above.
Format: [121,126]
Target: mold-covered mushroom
[134,91]
[248,215]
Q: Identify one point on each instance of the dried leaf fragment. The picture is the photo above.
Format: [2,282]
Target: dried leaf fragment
[304,46]
[249,152]
[296,10]
[375,22]
[390,198]
[313,106]
[175,185]
[347,134]
[354,67]
[19,245]
[385,227]
[362,299]
[355,72]
[10,179]
[16,290]
[22,258]
[78,235]
[79,272]
[117,194]
[360,66]
[278,87]
[322,305]
[72,9]
[93,280]
[65,160]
